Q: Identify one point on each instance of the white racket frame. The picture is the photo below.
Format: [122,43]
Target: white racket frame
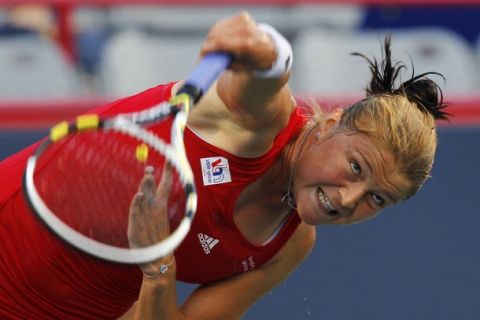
[174,153]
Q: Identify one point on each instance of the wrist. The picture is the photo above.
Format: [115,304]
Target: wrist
[283,58]
[165,269]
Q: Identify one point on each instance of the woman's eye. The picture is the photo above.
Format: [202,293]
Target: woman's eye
[378,199]
[355,167]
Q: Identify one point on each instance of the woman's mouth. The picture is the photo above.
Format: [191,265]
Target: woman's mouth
[327,205]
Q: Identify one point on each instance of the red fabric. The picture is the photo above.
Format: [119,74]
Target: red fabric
[41,277]
[233,254]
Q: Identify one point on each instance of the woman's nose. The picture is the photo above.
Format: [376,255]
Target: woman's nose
[351,194]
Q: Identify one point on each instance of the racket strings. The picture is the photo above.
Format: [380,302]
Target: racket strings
[95,176]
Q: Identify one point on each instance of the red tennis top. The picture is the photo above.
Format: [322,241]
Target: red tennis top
[41,277]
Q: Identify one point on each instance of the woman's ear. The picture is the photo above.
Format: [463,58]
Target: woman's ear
[332,120]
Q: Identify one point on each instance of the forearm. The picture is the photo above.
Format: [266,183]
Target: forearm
[242,92]
[251,90]
[157,298]
[260,69]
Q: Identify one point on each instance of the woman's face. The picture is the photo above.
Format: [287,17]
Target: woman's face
[344,178]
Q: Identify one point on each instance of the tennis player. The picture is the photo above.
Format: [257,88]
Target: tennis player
[266,170]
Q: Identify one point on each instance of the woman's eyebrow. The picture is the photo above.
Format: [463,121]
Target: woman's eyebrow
[364,160]
[393,187]
[391,196]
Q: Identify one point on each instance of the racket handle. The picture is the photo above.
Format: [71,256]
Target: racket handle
[206,72]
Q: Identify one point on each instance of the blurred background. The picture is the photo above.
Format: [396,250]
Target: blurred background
[417,261]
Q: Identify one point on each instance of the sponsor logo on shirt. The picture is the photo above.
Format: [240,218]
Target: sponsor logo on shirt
[215,170]
[207,242]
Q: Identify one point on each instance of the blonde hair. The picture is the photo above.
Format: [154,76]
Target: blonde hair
[402,119]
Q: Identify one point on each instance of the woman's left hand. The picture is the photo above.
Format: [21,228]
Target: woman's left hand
[148,220]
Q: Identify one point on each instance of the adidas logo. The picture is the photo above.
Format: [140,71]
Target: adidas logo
[207,242]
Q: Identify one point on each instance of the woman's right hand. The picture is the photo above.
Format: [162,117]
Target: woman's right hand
[251,48]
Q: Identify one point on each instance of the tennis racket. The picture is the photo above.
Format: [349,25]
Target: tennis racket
[81,180]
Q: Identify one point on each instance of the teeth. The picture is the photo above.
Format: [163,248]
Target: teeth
[325,202]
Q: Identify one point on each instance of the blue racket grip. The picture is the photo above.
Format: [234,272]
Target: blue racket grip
[206,72]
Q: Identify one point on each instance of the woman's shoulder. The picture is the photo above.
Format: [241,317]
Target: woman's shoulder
[142,100]
[303,239]
[298,247]
[245,135]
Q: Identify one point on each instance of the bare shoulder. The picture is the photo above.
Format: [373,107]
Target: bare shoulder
[304,238]
[242,133]
[298,247]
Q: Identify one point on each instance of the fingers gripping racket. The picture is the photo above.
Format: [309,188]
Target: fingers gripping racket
[81,180]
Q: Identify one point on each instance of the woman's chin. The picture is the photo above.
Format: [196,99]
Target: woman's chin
[311,217]
[311,212]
